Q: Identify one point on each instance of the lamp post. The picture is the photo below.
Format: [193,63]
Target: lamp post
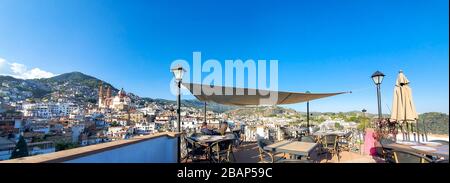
[364,130]
[377,78]
[178,74]
[307,113]
[364,117]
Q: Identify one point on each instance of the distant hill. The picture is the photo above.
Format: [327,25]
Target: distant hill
[435,122]
[262,111]
[76,87]
[193,103]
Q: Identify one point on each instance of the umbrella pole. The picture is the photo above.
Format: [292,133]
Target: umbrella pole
[408,126]
[425,130]
[417,131]
[407,132]
[402,131]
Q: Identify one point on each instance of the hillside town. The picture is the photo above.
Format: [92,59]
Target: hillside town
[61,123]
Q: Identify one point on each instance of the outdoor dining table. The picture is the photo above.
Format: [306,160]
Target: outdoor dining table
[295,148]
[427,148]
[209,139]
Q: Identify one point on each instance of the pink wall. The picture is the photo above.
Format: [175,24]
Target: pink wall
[369,142]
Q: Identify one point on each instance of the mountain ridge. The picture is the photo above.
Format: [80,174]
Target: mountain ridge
[79,87]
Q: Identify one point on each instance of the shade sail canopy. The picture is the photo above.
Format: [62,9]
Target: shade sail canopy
[250,97]
[403,108]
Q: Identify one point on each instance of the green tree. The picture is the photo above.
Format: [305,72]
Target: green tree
[115,124]
[353,118]
[21,149]
[320,120]
[435,122]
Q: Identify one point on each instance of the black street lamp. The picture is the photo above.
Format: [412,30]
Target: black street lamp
[364,130]
[364,118]
[178,74]
[377,78]
[307,113]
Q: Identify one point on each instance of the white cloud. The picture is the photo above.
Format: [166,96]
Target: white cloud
[2,61]
[18,68]
[38,73]
[21,71]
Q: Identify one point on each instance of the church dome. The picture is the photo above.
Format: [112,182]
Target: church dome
[122,93]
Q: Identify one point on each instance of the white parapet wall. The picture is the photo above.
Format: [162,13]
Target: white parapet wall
[155,148]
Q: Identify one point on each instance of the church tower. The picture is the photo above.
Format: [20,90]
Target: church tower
[108,92]
[100,95]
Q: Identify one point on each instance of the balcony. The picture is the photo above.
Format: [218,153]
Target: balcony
[162,148]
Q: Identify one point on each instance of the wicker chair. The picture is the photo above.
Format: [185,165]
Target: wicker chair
[385,153]
[194,150]
[222,151]
[239,138]
[266,156]
[344,141]
[330,145]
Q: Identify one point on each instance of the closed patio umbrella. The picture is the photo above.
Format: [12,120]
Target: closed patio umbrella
[403,109]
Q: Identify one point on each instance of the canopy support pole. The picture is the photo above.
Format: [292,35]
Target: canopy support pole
[307,116]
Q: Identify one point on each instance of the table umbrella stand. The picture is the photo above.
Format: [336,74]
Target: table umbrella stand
[417,131]
[425,131]
[408,128]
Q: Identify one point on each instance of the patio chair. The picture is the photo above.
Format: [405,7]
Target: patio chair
[409,157]
[344,142]
[287,134]
[266,156]
[239,138]
[385,153]
[194,150]
[330,145]
[222,151]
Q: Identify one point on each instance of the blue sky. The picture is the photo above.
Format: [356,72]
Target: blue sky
[322,46]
